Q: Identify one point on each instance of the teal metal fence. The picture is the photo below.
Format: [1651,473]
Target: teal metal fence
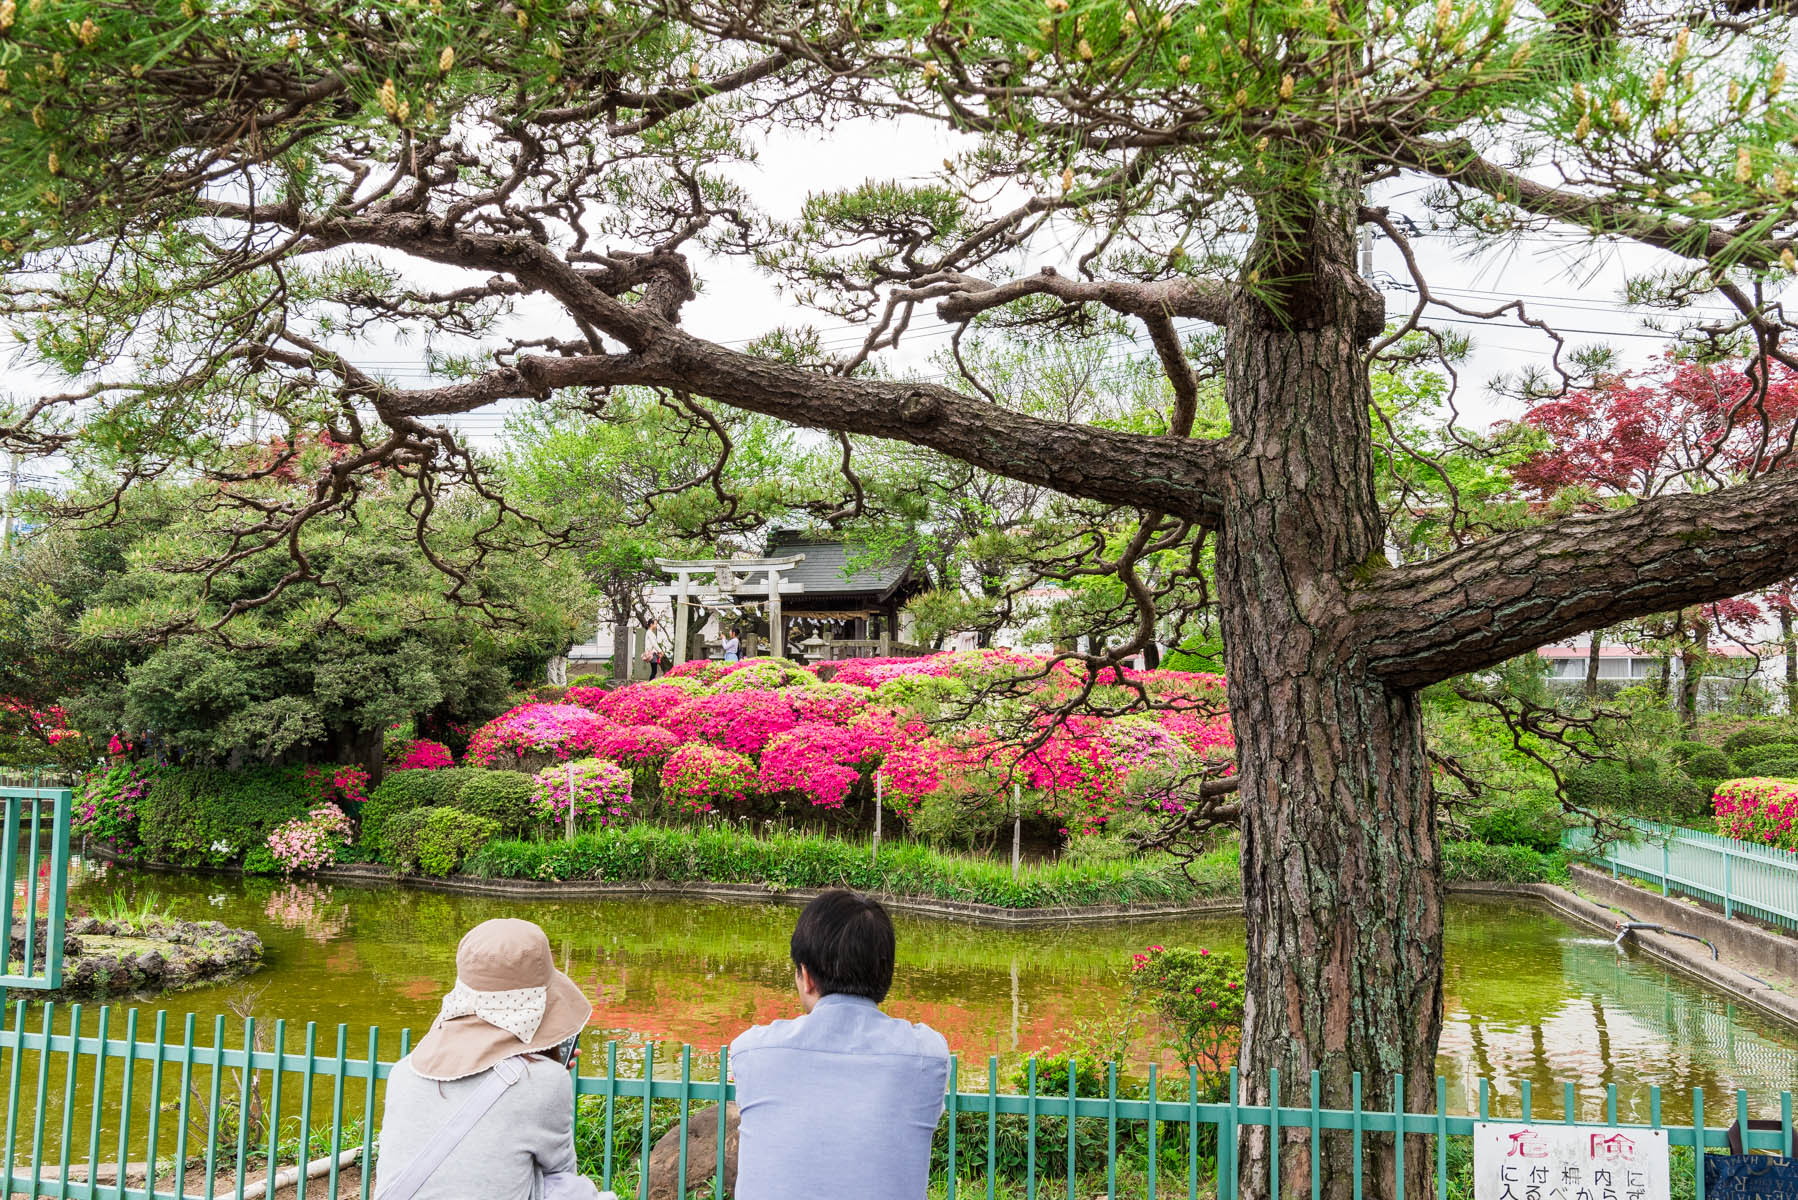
[215,1116]
[1757,881]
[37,895]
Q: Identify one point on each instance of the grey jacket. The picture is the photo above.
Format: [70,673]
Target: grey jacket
[528,1133]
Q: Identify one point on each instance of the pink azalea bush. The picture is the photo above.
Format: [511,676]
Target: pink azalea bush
[636,746]
[698,778]
[823,762]
[1758,810]
[311,842]
[741,721]
[759,674]
[836,702]
[422,754]
[564,730]
[703,671]
[597,791]
[586,697]
[641,703]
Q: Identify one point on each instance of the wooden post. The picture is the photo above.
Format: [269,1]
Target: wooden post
[571,800]
[777,636]
[680,621]
[1017,829]
[879,803]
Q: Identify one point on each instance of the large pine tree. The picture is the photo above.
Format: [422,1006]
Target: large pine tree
[205,203]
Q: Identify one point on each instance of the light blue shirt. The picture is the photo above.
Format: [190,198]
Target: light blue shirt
[838,1105]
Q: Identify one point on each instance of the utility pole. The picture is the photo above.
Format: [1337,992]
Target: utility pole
[6,508]
[1367,238]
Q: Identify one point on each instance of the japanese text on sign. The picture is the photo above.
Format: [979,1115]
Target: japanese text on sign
[1567,1162]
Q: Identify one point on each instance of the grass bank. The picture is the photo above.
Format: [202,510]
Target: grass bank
[786,860]
[780,860]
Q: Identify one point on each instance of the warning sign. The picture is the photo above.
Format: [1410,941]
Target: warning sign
[1568,1162]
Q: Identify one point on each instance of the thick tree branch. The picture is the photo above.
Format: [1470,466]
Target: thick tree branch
[1206,299]
[1460,163]
[1509,594]
[1178,475]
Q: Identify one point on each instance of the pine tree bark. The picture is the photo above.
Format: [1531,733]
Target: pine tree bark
[1341,882]
[1592,661]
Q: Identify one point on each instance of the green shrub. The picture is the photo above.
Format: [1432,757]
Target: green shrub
[1529,819]
[1749,759]
[1477,862]
[206,817]
[403,791]
[590,681]
[1669,793]
[1701,761]
[1603,784]
[435,841]
[1642,786]
[504,797]
[1760,735]
[1779,767]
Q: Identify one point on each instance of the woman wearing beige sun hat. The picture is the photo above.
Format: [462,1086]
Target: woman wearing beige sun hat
[484,1104]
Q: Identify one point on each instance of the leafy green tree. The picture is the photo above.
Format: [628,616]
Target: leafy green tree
[316,668]
[208,205]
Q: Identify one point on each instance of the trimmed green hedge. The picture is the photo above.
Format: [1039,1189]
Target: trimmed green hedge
[403,791]
[1640,786]
[204,817]
[637,853]
[1478,862]
[1702,761]
[502,796]
[1776,730]
[435,841]
[1753,760]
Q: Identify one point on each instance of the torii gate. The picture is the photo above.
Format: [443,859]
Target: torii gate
[733,577]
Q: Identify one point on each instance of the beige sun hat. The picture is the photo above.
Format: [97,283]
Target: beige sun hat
[509,999]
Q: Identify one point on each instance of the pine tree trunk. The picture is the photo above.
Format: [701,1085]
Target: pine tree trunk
[1341,878]
[1695,627]
[1592,654]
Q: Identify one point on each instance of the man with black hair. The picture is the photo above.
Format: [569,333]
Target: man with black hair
[843,1101]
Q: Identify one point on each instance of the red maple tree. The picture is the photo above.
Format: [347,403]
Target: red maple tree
[1681,425]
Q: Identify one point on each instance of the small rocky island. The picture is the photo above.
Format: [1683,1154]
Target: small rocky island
[143,957]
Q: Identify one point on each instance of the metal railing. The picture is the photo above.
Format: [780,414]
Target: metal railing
[98,1112]
[44,884]
[1758,881]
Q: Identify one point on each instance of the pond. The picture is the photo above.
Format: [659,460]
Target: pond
[1529,996]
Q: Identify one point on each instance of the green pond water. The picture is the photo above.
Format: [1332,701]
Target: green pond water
[1529,996]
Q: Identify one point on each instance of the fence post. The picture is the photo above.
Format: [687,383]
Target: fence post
[1666,860]
[1729,900]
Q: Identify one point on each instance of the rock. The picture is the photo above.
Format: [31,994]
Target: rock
[153,965]
[702,1154]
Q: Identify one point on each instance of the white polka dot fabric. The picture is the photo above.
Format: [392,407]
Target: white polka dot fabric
[518,1011]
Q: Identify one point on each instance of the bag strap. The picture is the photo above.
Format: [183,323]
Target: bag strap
[405,1185]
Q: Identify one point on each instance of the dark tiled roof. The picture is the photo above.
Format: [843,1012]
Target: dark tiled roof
[825,569]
